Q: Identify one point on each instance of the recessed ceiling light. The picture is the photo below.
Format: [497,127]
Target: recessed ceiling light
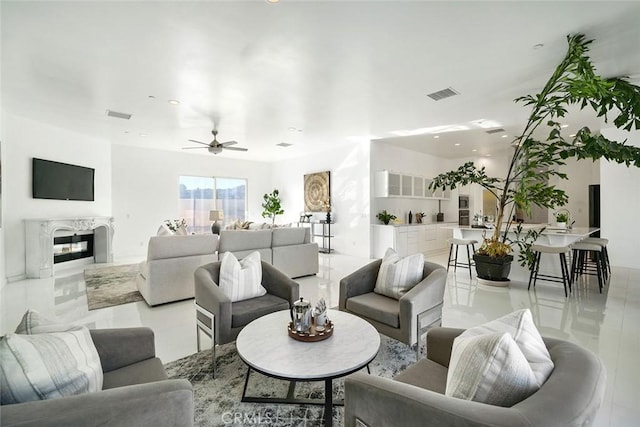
[436,136]
[143,135]
[538,46]
[173,102]
[564,126]
[126,131]
[504,136]
[486,124]
[152,97]
[572,135]
[487,155]
[284,144]
[474,150]
[272,1]
[457,144]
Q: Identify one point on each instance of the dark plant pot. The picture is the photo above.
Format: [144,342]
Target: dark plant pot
[493,268]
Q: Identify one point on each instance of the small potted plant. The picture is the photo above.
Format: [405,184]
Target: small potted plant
[386,217]
[562,218]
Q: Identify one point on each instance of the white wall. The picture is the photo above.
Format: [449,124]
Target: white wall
[24,139]
[145,190]
[581,174]
[396,159]
[349,193]
[620,204]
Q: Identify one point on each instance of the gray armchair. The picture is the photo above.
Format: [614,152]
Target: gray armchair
[571,396]
[221,319]
[403,319]
[135,392]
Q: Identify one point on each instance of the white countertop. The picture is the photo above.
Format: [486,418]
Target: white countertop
[416,224]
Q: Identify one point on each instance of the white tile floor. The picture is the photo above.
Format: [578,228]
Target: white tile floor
[605,323]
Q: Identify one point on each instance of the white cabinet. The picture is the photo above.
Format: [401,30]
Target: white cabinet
[408,239]
[390,184]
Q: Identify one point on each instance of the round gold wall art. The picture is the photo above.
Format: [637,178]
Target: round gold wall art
[316,191]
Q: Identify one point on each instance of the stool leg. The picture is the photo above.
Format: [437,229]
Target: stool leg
[533,268]
[535,277]
[563,268]
[599,269]
[606,258]
[469,261]
[455,265]
[449,260]
[574,266]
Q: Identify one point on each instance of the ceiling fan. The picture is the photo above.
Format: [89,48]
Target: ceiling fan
[216,147]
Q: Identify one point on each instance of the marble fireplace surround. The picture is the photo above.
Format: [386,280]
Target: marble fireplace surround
[39,234]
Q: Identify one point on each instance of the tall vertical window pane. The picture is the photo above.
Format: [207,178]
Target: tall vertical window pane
[199,195]
[231,194]
[196,200]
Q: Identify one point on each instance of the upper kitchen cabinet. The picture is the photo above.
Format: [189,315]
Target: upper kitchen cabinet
[390,184]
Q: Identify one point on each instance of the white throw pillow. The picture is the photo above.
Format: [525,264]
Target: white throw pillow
[48,366]
[398,275]
[520,326]
[490,369]
[35,323]
[240,280]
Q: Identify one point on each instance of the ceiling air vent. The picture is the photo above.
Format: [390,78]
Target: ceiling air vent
[284,144]
[118,115]
[492,131]
[442,94]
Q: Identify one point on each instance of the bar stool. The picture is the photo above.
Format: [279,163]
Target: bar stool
[581,264]
[605,254]
[454,262]
[535,268]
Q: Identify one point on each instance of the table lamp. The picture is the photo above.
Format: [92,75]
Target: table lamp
[215,216]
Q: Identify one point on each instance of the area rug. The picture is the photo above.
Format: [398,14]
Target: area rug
[217,401]
[109,286]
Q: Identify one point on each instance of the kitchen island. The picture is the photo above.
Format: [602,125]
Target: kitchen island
[551,236]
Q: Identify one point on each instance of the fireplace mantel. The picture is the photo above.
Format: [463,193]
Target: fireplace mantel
[39,241]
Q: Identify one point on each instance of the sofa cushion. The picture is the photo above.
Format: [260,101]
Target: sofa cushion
[241,280]
[288,236]
[146,371]
[398,275]
[164,247]
[520,326]
[244,312]
[241,240]
[48,366]
[376,307]
[425,374]
[490,369]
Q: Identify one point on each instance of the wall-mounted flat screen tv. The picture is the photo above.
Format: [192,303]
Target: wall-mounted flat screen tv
[61,181]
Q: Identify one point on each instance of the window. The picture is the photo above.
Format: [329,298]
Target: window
[199,195]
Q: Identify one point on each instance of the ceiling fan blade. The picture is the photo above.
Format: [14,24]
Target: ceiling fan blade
[198,142]
[191,148]
[225,144]
[235,148]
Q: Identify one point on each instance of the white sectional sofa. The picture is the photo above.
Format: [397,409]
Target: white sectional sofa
[289,249]
[167,274]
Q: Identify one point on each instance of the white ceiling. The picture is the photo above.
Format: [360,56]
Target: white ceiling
[313,74]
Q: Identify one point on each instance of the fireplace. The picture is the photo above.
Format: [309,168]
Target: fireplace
[51,242]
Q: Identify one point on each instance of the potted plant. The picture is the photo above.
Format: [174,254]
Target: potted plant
[386,217]
[541,148]
[272,206]
[562,218]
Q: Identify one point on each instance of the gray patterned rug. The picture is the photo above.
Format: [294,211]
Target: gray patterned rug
[109,286]
[217,401]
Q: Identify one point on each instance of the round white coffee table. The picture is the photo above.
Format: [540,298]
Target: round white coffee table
[265,346]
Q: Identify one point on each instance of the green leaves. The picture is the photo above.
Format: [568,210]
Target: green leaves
[272,205]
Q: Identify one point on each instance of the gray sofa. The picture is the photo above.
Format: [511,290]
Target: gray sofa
[571,396]
[289,249]
[167,274]
[135,392]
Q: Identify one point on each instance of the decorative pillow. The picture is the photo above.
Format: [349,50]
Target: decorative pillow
[240,280]
[35,323]
[163,230]
[48,365]
[520,326]
[490,369]
[398,275]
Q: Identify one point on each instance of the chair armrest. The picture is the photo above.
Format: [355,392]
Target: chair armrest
[279,284]
[427,294]
[162,403]
[211,297]
[361,281]
[440,343]
[379,402]
[123,346]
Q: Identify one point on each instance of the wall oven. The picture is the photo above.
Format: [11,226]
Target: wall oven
[463,202]
[463,217]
